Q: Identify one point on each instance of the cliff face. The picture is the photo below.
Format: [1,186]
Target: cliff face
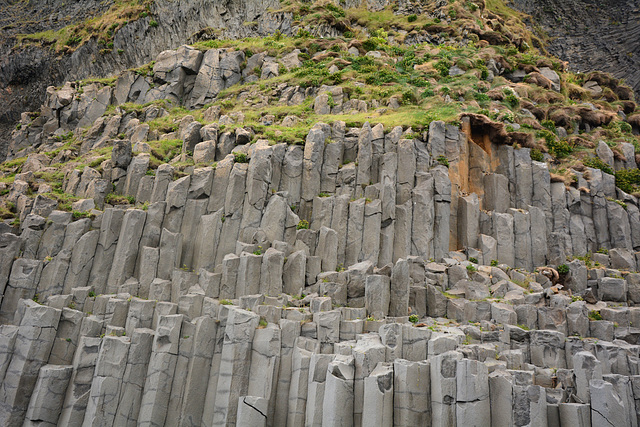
[589,34]
[26,72]
[420,221]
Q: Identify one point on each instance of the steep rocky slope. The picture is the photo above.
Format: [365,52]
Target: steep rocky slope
[420,219]
[142,30]
[602,35]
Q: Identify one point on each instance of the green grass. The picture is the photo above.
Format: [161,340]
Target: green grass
[102,28]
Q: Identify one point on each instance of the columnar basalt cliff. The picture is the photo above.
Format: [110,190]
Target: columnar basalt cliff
[343,231]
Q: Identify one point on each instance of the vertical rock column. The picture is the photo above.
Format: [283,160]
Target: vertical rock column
[442,186]
[252,411]
[412,393]
[468,221]
[52,281]
[265,364]
[542,192]
[193,211]
[185,354]
[378,397]
[501,399]
[197,378]
[311,170]
[388,178]
[124,258]
[354,232]
[367,354]
[233,203]
[206,241]
[77,396]
[9,250]
[291,174]
[23,282]
[33,344]
[503,227]
[162,364]
[371,232]
[338,396]
[290,330]
[472,393]
[67,337]
[134,377]
[81,262]
[524,177]
[176,199]
[317,382]
[522,238]
[48,396]
[365,159]
[105,388]
[399,295]
[402,229]
[258,189]
[299,386]
[444,388]
[235,364]
[105,249]
[423,218]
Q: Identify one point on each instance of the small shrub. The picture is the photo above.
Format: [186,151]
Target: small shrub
[226,302]
[597,163]
[494,263]
[414,318]
[603,251]
[336,11]
[443,67]
[619,202]
[628,180]
[153,23]
[91,294]
[473,260]
[303,225]
[471,268]
[412,18]
[36,298]
[511,100]
[116,199]
[73,40]
[563,269]
[595,315]
[481,97]
[549,124]
[240,157]
[78,214]
[558,148]
[537,155]
[443,161]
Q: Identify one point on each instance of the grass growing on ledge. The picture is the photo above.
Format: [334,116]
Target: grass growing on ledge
[102,27]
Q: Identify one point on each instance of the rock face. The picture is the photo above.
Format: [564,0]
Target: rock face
[262,314]
[570,24]
[26,73]
[354,281]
